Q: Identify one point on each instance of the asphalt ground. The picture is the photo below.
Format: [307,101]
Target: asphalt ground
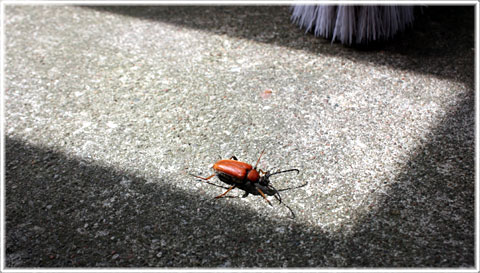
[109,109]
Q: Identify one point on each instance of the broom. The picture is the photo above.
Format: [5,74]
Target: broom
[353,24]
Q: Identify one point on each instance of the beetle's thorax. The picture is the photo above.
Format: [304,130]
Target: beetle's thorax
[253,175]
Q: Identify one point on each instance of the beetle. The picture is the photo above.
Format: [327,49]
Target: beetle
[247,178]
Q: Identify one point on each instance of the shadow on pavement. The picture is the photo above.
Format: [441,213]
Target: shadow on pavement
[64,212]
[440,43]
[428,217]
[67,212]
[70,212]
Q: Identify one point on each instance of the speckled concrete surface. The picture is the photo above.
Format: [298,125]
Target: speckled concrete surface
[108,109]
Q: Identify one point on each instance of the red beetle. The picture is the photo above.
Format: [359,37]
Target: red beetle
[245,177]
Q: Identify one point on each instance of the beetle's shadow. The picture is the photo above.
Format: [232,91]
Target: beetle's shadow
[279,190]
[293,188]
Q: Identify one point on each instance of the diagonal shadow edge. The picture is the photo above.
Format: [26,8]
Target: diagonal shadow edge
[68,212]
[430,207]
[63,212]
[440,42]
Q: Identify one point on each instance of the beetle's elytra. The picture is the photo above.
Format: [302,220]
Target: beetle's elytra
[245,177]
[236,169]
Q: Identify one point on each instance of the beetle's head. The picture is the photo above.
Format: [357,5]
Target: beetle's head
[265,180]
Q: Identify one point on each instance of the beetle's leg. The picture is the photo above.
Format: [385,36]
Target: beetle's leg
[245,195]
[264,197]
[234,158]
[223,194]
[280,200]
[202,177]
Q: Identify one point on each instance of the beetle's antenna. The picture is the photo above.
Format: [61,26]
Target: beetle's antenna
[259,158]
[291,170]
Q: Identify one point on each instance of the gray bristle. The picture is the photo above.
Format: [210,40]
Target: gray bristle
[353,24]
